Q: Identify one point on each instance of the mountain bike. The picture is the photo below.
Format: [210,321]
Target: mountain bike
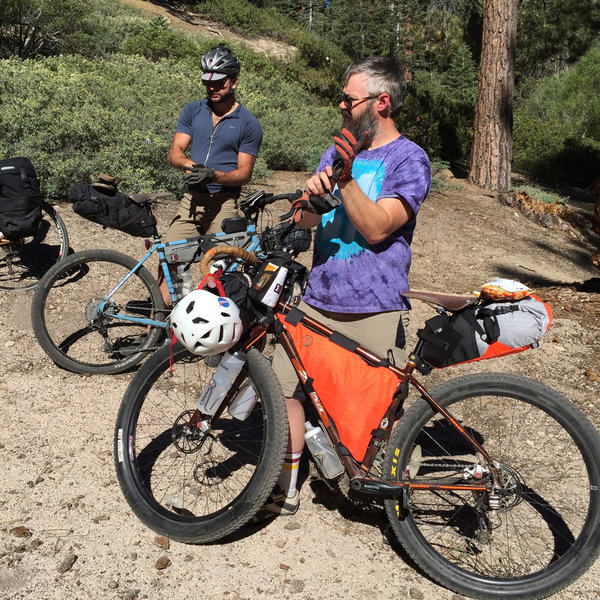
[101,311]
[25,260]
[490,481]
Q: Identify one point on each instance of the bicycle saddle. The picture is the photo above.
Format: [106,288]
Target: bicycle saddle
[451,302]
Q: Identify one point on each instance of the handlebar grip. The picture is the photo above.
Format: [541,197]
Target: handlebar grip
[232,251]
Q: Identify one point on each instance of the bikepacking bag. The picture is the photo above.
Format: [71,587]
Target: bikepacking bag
[267,284]
[102,203]
[355,394]
[484,330]
[20,199]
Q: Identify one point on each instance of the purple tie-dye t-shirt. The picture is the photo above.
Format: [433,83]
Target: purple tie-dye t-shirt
[350,275]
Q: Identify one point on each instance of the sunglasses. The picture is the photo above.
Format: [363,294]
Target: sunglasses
[217,84]
[349,100]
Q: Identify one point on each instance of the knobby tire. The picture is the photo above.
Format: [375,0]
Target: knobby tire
[547,531]
[187,485]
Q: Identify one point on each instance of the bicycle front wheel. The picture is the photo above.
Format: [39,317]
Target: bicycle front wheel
[197,483]
[85,331]
[535,534]
[24,261]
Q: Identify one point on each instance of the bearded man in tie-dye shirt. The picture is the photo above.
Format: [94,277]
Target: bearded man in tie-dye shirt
[362,250]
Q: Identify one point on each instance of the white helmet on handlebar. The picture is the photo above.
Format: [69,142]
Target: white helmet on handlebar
[206,323]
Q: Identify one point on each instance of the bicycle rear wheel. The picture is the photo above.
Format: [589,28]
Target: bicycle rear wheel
[81,332]
[196,484]
[545,531]
[23,262]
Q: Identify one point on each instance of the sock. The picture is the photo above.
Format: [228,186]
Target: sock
[289,473]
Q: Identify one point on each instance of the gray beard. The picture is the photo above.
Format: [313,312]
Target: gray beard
[367,122]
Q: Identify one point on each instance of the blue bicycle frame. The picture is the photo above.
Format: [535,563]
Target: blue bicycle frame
[247,239]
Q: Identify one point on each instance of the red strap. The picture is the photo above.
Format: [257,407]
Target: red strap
[212,281]
[171,365]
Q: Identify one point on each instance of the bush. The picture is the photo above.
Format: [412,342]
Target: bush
[557,129]
[75,117]
[157,41]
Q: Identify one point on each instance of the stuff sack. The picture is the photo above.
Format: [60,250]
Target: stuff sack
[20,199]
[485,330]
[354,393]
[111,208]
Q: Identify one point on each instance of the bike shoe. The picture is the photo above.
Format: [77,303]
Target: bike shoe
[277,505]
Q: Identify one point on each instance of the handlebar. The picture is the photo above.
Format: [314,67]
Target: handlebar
[260,199]
[233,251]
[299,200]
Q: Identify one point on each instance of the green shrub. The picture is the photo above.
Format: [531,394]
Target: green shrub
[157,41]
[76,117]
[557,129]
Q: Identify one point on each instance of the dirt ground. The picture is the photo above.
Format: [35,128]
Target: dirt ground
[67,532]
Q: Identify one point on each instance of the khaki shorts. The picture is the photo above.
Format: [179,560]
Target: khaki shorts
[374,331]
[199,214]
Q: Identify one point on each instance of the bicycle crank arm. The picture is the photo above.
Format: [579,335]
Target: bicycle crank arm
[380,487]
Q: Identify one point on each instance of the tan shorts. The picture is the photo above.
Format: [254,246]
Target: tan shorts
[199,214]
[375,331]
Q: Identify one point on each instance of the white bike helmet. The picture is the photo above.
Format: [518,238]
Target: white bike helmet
[206,323]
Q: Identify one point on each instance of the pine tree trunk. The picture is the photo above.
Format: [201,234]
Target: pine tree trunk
[491,153]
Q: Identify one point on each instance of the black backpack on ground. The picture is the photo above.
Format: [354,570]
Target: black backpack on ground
[20,198]
[102,203]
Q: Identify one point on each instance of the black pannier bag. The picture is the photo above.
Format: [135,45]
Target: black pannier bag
[105,205]
[20,199]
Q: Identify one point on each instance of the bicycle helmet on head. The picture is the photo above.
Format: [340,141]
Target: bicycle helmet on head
[219,62]
[206,323]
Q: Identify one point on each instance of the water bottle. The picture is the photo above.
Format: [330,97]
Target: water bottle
[328,462]
[243,403]
[212,396]
[185,278]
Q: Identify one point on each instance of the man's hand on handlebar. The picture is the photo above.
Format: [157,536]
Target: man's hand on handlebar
[198,174]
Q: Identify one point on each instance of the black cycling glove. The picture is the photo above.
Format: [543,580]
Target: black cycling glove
[199,174]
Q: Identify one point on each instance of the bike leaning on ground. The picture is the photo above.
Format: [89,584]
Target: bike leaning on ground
[101,311]
[490,481]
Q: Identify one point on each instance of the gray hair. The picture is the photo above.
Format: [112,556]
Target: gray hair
[384,77]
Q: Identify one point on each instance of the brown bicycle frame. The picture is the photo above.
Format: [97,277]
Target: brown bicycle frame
[358,472]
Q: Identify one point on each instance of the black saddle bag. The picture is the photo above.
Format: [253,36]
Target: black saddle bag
[20,199]
[111,208]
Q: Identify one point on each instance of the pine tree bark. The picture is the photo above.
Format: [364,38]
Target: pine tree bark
[491,153]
